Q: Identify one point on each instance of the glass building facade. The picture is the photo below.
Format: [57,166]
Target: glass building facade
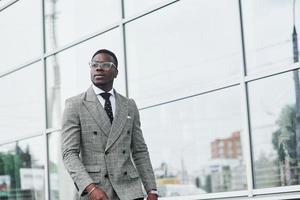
[216,83]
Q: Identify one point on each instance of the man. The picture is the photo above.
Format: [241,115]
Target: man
[103,147]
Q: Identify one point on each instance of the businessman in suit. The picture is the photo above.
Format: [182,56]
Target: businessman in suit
[103,147]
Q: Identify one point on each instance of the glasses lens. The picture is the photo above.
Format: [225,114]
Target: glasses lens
[103,65]
[94,64]
[106,65]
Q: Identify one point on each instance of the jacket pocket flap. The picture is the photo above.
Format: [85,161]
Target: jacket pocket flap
[93,168]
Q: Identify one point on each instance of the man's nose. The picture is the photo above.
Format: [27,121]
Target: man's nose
[99,68]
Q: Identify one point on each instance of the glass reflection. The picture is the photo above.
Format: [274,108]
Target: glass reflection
[133,6]
[15,48]
[268,27]
[68,73]
[275,130]
[22,108]
[196,144]
[4,2]
[173,55]
[61,184]
[69,20]
[22,170]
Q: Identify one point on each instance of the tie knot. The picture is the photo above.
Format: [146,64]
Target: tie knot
[105,95]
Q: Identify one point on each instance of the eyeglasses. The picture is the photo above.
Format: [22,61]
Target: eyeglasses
[102,65]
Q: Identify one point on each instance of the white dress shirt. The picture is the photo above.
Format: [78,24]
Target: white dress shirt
[112,98]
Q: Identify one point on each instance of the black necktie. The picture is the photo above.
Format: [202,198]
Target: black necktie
[107,105]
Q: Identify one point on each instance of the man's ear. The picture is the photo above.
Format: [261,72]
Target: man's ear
[116,73]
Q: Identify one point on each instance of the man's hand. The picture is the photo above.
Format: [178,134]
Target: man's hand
[96,194]
[151,196]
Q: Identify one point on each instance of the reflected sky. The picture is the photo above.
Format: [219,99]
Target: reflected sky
[167,61]
[268,26]
[132,7]
[185,129]
[20,37]
[266,104]
[75,19]
[22,110]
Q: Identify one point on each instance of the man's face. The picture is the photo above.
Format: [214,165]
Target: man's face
[103,78]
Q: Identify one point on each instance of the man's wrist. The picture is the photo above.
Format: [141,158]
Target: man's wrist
[90,187]
[92,190]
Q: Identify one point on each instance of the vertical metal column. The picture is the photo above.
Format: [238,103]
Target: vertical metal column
[123,36]
[245,107]
[46,174]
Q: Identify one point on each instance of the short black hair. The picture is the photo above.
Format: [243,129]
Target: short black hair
[107,52]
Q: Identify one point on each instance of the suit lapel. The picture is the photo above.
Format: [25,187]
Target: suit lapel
[119,120]
[97,111]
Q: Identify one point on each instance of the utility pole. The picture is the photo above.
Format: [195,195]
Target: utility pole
[54,108]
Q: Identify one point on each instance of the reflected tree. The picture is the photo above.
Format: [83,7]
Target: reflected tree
[285,143]
[10,165]
[267,173]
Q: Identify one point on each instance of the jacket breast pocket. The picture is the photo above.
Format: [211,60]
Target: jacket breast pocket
[88,136]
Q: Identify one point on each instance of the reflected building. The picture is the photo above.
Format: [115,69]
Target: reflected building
[226,165]
[267,172]
[227,148]
[20,175]
[219,110]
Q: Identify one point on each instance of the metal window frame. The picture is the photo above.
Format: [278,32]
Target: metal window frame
[250,193]
[8,5]
[246,139]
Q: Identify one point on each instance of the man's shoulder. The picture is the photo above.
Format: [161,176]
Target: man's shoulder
[121,96]
[124,98]
[77,98]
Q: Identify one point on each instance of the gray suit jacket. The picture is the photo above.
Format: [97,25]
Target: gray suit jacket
[115,157]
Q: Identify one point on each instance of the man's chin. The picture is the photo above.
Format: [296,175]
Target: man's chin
[98,82]
[102,84]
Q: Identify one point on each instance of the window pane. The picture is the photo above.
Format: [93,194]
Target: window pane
[69,20]
[22,169]
[21,33]
[69,72]
[273,128]
[134,6]
[171,55]
[268,33]
[196,144]
[4,2]
[22,108]
[61,184]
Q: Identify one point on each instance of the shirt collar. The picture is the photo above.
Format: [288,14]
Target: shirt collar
[99,91]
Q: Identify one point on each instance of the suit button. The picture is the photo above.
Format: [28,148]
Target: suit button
[95,132]
[124,151]
[128,132]
[125,173]
[106,175]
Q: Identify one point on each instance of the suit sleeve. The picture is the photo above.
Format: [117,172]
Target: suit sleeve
[140,153]
[70,145]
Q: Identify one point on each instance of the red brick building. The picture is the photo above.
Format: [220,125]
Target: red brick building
[228,147]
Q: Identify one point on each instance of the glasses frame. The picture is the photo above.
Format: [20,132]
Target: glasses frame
[101,64]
